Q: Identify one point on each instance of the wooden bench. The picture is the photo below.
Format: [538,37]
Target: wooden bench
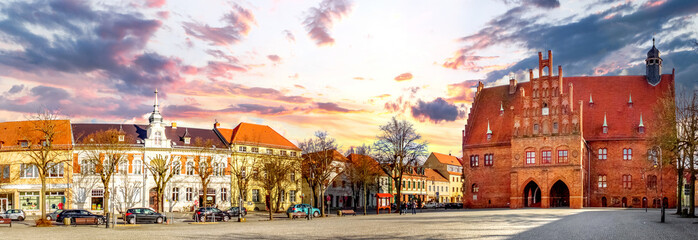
[6,221]
[347,212]
[85,221]
[298,215]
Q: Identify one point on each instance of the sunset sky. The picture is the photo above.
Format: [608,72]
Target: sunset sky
[301,66]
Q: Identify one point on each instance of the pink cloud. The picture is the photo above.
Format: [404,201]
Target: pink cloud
[155,3]
[320,20]
[403,77]
[238,24]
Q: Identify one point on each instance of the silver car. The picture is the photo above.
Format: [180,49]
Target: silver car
[14,214]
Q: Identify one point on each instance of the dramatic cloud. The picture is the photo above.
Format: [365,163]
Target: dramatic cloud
[332,107]
[155,3]
[274,58]
[16,88]
[397,106]
[436,111]
[403,77]
[224,88]
[463,91]
[289,36]
[320,19]
[579,45]
[188,111]
[537,3]
[238,24]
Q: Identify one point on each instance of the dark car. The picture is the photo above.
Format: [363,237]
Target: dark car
[78,213]
[235,211]
[52,216]
[208,214]
[453,206]
[143,215]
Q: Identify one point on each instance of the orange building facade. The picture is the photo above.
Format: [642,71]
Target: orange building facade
[567,141]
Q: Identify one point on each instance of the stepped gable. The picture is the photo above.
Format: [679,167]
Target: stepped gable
[610,93]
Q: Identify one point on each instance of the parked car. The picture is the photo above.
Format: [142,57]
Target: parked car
[432,205]
[453,206]
[207,213]
[235,211]
[14,214]
[78,213]
[143,215]
[52,216]
[302,208]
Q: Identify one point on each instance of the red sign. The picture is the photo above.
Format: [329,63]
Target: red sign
[328,198]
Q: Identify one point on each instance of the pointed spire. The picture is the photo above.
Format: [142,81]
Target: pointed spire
[501,108]
[591,101]
[488,128]
[641,124]
[604,120]
[156,100]
[155,116]
[186,132]
[630,98]
[121,128]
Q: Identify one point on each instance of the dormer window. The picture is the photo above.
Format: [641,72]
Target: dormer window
[641,126]
[121,137]
[187,140]
[591,101]
[24,144]
[605,125]
[630,101]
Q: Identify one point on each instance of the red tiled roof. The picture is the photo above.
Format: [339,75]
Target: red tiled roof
[11,133]
[434,175]
[254,134]
[336,155]
[610,95]
[446,159]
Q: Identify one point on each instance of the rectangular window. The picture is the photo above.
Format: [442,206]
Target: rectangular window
[292,196]
[602,181]
[283,153]
[137,166]
[546,156]
[293,177]
[255,195]
[255,149]
[29,200]
[242,149]
[28,171]
[627,181]
[474,160]
[224,194]
[270,151]
[530,157]
[56,171]
[603,153]
[489,159]
[189,194]
[562,156]
[175,194]
[5,172]
[24,144]
[627,154]
[293,154]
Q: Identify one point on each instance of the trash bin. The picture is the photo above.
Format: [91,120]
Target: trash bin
[66,221]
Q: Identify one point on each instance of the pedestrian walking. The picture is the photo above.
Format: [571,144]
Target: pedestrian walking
[414,207]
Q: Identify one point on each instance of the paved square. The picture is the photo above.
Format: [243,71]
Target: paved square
[453,224]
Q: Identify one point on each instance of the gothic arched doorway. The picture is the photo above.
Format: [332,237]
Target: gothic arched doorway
[153,199]
[604,202]
[624,202]
[644,202]
[559,195]
[531,195]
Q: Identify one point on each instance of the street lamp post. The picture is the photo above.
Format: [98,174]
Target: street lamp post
[240,206]
[661,179]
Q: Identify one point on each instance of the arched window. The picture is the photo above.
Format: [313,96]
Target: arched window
[652,181]
[190,168]
[475,188]
[123,166]
[176,167]
[137,166]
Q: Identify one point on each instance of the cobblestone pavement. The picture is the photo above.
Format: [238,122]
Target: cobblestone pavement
[591,223]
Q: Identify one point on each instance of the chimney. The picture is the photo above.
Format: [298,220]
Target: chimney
[174,125]
[216,124]
[512,86]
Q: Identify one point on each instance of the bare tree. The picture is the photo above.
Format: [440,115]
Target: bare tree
[272,174]
[398,149]
[105,151]
[163,169]
[317,166]
[205,156]
[687,128]
[243,161]
[46,156]
[363,171]
[127,192]
[664,135]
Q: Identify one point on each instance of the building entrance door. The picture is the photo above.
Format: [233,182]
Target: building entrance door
[531,195]
[559,195]
[603,202]
[3,204]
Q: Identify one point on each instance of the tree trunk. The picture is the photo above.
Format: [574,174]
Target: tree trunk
[679,193]
[365,200]
[43,198]
[398,185]
[105,204]
[160,202]
[271,215]
[322,200]
[692,196]
[205,193]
